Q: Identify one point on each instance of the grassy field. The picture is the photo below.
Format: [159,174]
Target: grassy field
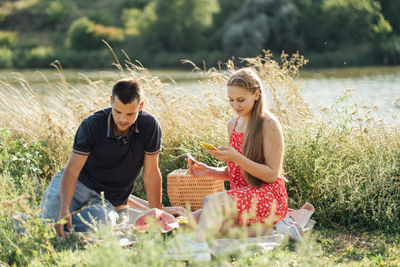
[348,168]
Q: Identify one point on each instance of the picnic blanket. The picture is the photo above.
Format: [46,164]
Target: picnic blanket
[292,226]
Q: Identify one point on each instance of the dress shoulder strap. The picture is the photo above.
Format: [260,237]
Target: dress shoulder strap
[236,121]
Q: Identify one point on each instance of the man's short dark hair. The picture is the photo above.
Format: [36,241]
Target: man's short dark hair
[127,91]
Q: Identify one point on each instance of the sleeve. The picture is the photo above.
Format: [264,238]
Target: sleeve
[153,143]
[84,139]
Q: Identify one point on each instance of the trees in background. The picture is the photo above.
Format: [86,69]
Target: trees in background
[391,10]
[180,24]
[152,30]
[258,25]
[329,24]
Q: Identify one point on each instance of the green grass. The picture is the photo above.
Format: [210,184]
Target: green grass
[320,247]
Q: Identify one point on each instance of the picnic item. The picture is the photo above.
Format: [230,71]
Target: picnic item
[293,227]
[156,219]
[185,248]
[184,189]
[208,146]
[182,220]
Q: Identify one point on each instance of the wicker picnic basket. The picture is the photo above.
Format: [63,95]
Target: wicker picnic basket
[185,189]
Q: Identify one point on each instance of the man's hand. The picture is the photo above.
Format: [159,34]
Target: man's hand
[67,190]
[63,219]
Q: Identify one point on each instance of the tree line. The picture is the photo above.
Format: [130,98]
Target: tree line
[160,33]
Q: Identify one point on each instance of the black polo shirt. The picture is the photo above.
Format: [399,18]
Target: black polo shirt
[115,162]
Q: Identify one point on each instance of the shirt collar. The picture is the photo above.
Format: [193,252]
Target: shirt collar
[110,123]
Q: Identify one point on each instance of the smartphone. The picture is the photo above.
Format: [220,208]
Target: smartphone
[208,146]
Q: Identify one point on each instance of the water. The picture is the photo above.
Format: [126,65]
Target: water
[376,88]
[373,86]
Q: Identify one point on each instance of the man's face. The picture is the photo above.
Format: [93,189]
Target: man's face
[124,115]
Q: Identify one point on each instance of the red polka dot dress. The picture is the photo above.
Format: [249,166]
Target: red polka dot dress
[255,204]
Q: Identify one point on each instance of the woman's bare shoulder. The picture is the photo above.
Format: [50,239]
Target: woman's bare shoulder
[231,124]
[271,124]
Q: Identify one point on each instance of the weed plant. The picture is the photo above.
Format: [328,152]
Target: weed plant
[348,166]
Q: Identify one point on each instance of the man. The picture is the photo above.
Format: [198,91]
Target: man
[110,148]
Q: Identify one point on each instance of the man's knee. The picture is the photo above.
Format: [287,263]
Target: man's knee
[91,216]
[49,207]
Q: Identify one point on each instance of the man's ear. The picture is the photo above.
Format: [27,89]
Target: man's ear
[110,99]
[141,105]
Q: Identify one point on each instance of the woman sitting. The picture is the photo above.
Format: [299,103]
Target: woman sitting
[254,167]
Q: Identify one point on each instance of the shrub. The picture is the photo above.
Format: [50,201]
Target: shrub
[388,52]
[8,39]
[101,17]
[22,161]
[83,34]
[6,57]
[180,24]
[80,35]
[110,34]
[136,21]
[135,3]
[57,12]
[39,57]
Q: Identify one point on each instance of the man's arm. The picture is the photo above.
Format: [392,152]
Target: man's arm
[67,189]
[152,180]
[137,203]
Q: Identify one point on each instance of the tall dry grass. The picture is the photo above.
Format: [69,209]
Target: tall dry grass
[338,166]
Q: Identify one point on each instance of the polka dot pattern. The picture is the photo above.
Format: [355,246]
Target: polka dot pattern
[267,203]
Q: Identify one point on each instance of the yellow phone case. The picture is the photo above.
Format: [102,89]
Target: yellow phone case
[208,146]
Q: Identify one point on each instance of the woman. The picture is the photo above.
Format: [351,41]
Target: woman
[254,164]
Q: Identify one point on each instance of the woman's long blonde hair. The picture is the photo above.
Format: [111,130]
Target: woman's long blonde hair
[253,142]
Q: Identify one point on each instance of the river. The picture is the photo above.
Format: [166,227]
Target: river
[372,86]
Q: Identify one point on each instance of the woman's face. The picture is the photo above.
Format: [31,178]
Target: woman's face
[241,100]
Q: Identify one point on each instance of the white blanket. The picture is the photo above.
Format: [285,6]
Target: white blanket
[296,222]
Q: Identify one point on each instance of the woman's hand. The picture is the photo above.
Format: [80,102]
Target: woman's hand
[198,169]
[225,153]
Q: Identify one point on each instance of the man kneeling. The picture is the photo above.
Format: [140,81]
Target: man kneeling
[110,148]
